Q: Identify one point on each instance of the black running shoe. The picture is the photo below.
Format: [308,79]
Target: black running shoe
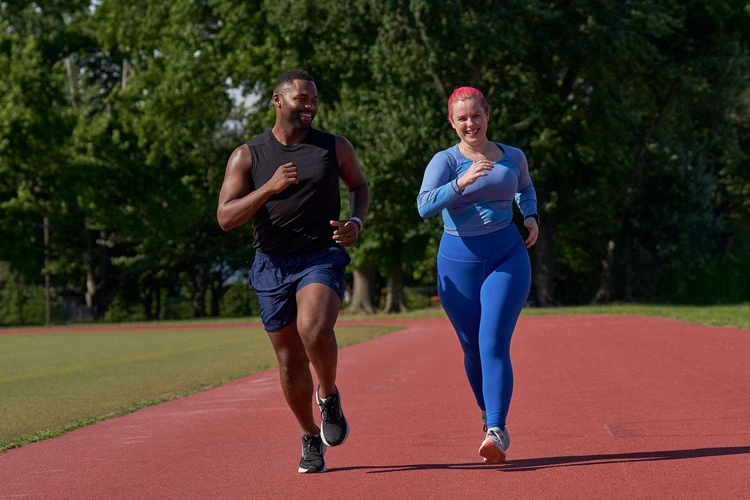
[313,450]
[334,429]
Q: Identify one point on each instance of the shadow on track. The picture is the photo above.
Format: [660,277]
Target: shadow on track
[532,464]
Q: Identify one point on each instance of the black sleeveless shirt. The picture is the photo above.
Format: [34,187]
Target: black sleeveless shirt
[296,221]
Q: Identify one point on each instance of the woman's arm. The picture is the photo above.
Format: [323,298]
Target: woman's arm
[437,191]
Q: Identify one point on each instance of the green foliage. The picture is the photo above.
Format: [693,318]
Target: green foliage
[724,279]
[117,119]
[239,301]
[120,311]
[20,302]
[415,300]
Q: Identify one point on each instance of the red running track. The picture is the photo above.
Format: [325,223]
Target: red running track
[604,407]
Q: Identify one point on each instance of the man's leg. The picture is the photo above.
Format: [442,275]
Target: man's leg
[317,310]
[296,379]
[278,310]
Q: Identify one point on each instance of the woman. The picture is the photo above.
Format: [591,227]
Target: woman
[484,272]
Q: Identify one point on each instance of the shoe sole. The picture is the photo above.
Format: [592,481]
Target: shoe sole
[491,452]
[302,470]
[310,471]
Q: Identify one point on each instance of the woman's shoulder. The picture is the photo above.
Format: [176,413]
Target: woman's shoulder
[509,150]
[449,156]
[513,153]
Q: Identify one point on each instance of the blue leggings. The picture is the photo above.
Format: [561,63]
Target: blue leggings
[483,283]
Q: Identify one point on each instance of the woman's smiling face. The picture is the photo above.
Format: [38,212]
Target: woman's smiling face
[469,120]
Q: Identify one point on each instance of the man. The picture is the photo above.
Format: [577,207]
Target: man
[287,181]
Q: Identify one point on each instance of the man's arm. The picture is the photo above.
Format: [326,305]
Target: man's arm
[353,178]
[237,201]
[359,193]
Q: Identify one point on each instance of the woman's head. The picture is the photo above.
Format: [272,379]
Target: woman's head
[463,94]
[468,113]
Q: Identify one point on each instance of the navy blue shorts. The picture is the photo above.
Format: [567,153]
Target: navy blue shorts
[278,278]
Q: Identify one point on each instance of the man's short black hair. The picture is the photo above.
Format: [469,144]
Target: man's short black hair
[289,77]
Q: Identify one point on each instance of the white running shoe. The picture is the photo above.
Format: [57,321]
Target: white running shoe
[495,445]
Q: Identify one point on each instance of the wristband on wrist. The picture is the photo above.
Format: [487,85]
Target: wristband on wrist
[357,221]
[535,216]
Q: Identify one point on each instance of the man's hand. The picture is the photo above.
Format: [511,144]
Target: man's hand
[284,176]
[347,233]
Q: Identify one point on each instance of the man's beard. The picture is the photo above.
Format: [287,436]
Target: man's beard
[294,120]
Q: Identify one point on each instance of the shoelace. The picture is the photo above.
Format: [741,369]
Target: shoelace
[500,437]
[329,409]
[311,446]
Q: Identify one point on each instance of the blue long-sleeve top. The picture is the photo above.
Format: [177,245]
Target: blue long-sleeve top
[486,205]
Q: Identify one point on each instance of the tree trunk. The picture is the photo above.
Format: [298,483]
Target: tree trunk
[604,294]
[199,303]
[70,69]
[363,292]
[88,264]
[394,300]
[127,69]
[199,299]
[544,264]
[218,288]
[147,300]
[102,296]
[216,298]
[157,312]
[627,260]
[47,291]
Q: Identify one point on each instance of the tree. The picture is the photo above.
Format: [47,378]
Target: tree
[36,124]
[177,107]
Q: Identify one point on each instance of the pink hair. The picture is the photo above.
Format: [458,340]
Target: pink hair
[466,93]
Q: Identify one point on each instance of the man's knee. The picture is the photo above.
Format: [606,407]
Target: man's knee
[319,339]
[291,366]
[315,325]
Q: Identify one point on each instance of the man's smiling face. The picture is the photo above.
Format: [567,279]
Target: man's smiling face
[298,102]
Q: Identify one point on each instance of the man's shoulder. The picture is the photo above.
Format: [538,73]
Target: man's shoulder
[322,137]
[260,139]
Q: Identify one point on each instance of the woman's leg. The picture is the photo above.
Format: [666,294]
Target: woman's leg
[503,295]
[459,285]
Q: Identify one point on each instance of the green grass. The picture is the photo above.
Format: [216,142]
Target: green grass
[730,315]
[53,383]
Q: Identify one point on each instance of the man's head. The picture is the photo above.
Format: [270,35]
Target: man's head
[295,98]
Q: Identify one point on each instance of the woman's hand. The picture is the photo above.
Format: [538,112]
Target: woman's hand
[533,227]
[476,170]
